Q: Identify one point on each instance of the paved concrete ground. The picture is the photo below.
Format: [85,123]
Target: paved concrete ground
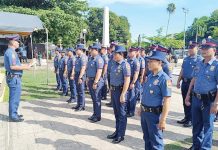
[52,125]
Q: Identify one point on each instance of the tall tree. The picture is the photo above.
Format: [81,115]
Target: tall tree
[170,9]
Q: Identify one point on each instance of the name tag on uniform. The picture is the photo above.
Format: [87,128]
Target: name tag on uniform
[212,68]
[156,82]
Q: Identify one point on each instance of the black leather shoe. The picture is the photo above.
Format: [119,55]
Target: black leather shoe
[95,119]
[16,120]
[216,119]
[75,107]
[182,121]
[112,136]
[90,118]
[118,140]
[20,116]
[80,109]
[187,124]
[109,104]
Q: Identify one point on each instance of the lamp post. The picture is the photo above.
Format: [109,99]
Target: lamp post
[185,10]
[84,36]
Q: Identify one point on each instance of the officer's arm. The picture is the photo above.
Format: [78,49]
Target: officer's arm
[191,87]
[165,109]
[180,76]
[142,72]
[82,71]
[105,69]
[126,85]
[98,75]
[17,68]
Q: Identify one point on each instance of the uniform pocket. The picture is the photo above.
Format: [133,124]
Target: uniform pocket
[12,82]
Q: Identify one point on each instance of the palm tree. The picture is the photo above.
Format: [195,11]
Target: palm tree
[170,9]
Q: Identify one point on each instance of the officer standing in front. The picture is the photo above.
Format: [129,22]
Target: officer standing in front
[95,81]
[80,70]
[185,75]
[119,80]
[205,98]
[71,72]
[63,73]
[131,94]
[56,67]
[155,102]
[14,70]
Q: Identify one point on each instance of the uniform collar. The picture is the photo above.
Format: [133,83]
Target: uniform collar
[193,56]
[159,73]
[211,61]
[120,62]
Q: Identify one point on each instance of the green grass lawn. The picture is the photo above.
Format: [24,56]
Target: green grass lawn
[34,85]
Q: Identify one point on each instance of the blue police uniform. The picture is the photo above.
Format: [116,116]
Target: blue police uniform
[188,66]
[105,78]
[70,66]
[110,63]
[204,92]
[155,88]
[56,67]
[138,85]
[13,79]
[93,65]
[64,82]
[80,88]
[119,70]
[131,94]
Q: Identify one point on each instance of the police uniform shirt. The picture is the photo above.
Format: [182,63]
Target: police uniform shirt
[80,62]
[94,64]
[188,65]
[134,65]
[62,63]
[155,88]
[105,58]
[119,70]
[142,62]
[206,76]
[167,68]
[11,59]
[56,61]
[70,64]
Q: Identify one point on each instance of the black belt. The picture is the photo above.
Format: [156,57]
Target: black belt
[14,75]
[116,87]
[186,79]
[156,110]
[211,96]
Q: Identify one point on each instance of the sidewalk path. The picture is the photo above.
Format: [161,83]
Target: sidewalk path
[53,125]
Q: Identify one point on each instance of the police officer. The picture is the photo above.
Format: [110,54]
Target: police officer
[185,75]
[131,94]
[95,81]
[205,97]
[104,72]
[71,72]
[155,102]
[63,73]
[14,71]
[119,80]
[56,67]
[80,70]
[141,73]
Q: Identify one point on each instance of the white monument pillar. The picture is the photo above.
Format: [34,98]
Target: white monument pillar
[106,35]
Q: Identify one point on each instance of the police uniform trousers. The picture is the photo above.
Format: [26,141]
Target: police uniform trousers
[72,87]
[131,101]
[138,90]
[58,80]
[96,96]
[14,84]
[187,109]
[63,82]
[104,88]
[152,136]
[80,88]
[119,111]
[202,122]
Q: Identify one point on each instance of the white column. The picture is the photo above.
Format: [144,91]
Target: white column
[106,35]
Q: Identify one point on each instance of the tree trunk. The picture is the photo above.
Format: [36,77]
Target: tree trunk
[168,24]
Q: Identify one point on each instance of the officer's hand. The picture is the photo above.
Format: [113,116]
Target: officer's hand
[122,98]
[214,109]
[138,111]
[132,86]
[80,81]
[162,125]
[141,80]
[65,75]
[71,77]
[94,86]
[187,100]
[178,85]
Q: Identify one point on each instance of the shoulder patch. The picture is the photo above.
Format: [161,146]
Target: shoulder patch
[169,83]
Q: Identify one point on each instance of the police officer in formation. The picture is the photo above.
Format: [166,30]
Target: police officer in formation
[95,81]
[63,73]
[119,81]
[56,68]
[155,102]
[204,105]
[14,71]
[71,71]
[131,94]
[80,70]
[189,63]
